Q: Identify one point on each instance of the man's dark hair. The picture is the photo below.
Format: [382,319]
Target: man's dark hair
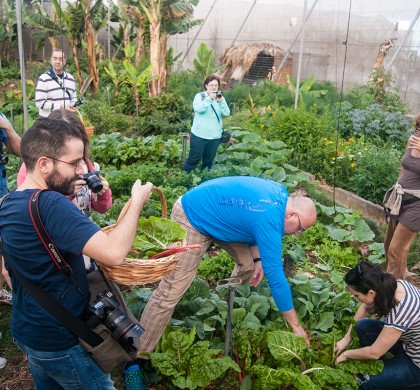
[210,78]
[48,138]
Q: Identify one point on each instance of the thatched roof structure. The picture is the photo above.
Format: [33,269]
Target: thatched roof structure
[251,62]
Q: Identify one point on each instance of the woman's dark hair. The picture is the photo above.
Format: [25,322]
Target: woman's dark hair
[210,78]
[73,120]
[367,276]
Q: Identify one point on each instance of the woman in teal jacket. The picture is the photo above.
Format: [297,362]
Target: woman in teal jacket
[206,132]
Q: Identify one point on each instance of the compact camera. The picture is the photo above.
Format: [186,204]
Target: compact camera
[106,310]
[93,182]
[4,159]
[78,102]
[218,94]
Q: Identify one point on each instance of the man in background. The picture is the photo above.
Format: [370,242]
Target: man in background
[56,88]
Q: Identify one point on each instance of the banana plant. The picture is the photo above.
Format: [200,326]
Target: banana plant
[305,88]
[136,78]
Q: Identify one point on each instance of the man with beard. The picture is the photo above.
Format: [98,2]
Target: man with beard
[53,151]
[55,88]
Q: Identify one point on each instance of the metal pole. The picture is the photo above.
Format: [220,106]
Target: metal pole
[228,334]
[302,39]
[196,35]
[413,22]
[294,40]
[109,29]
[243,23]
[22,63]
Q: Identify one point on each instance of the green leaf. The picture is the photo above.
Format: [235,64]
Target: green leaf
[285,346]
[156,234]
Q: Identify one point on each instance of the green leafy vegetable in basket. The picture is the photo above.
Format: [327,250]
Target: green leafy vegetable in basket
[155,234]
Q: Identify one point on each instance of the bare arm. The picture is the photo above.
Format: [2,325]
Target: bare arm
[13,144]
[111,249]
[293,320]
[362,312]
[386,339]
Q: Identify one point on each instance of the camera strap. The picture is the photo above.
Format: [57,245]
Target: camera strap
[55,78]
[60,313]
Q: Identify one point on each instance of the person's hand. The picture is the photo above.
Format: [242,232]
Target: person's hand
[78,186]
[299,331]
[212,94]
[3,123]
[341,345]
[68,106]
[257,274]
[415,142]
[141,193]
[105,185]
[341,358]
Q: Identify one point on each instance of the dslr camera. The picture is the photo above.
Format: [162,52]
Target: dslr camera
[78,102]
[219,94]
[106,309]
[93,182]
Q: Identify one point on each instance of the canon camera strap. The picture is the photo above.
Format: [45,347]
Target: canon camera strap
[60,313]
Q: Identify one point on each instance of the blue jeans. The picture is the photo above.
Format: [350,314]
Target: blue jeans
[201,149]
[70,369]
[399,371]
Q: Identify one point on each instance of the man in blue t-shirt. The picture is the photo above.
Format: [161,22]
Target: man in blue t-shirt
[246,216]
[53,153]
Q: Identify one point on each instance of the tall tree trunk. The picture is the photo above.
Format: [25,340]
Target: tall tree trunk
[155,86]
[139,47]
[77,64]
[90,40]
[163,73]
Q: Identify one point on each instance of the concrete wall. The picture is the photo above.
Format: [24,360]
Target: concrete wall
[278,22]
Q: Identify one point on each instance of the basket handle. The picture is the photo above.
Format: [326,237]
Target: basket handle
[80,117]
[162,201]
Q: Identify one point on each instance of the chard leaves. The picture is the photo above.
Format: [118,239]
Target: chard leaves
[155,234]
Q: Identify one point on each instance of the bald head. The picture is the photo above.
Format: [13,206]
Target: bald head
[300,214]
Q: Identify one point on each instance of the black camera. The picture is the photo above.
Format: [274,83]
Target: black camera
[93,182]
[4,159]
[106,310]
[78,102]
[219,94]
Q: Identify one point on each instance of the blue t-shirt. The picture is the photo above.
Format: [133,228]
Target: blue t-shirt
[247,210]
[70,230]
[3,176]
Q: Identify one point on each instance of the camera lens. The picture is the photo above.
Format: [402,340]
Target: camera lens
[119,324]
[93,182]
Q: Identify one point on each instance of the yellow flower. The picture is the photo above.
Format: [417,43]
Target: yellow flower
[351,139]
[330,142]
[352,165]
[269,107]
[333,158]
[262,126]
[362,143]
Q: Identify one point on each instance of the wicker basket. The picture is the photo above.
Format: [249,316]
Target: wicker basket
[135,272]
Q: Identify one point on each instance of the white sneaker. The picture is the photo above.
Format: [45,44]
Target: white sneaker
[3,362]
[5,296]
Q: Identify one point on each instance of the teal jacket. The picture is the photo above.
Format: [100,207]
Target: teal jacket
[205,123]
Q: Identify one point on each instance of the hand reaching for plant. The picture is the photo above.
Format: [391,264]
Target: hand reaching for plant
[342,345]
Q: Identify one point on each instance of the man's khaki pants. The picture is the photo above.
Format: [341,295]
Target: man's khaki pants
[161,305]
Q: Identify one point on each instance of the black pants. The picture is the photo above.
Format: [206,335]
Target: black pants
[201,149]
